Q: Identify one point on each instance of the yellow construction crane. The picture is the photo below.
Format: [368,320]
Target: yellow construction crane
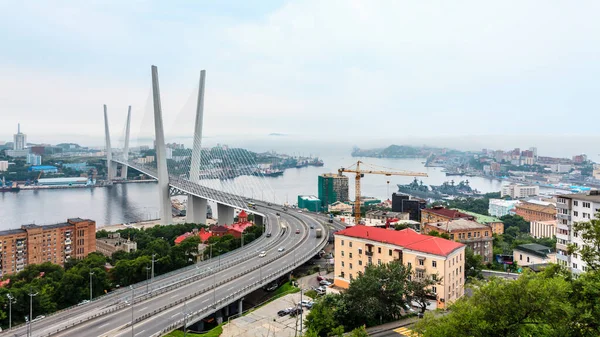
[361,173]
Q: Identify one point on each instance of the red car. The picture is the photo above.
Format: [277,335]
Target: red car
[320,278]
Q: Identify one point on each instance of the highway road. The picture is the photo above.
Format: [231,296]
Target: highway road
[243,261]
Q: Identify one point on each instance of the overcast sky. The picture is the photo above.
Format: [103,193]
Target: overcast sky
[321,69]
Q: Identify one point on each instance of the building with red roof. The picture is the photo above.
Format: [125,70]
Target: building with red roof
[441,214]
[428,256]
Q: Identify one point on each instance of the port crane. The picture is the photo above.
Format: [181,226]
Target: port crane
[360,173]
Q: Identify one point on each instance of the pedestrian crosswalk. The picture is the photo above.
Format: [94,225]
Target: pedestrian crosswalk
[407,332]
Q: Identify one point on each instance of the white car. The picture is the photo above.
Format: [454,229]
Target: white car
[281,249]
[300,211]
[262,254]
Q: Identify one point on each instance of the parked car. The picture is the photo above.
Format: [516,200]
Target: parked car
[297,231]
[269,234]
[269,204]
[262,254]
[281,249]
[325,283]
[84,302]
[295,312]
[284,312]
[320,278]
[306,303]
[277,213]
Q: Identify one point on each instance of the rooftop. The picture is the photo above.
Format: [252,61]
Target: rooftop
[309,197]
[589,196]
[406,238]
[502,202]
[26,227]
[333,175]
[459,225]
[537,208]
[535,249]
[481,218]
[448,213]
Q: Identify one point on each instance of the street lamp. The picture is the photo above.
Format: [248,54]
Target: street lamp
[91,273]
[153,255]
[132,303]
[10,302]
[147,272]
[31,295]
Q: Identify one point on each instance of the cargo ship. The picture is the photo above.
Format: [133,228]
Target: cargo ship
[9,187]
[268,173]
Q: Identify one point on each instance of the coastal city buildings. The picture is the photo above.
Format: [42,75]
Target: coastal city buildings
[386,215]
[516,191]
[543,229]
[19,144]
[114,243]
[34,159]
[570,209]
[533,254]
[501,207]
[473,234]
[428,256]
[332,187]
[33,244]
[540,211]
[340,207]
[3,165]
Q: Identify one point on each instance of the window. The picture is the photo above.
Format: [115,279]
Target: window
[434,264]
[359,251]
[528,259]
[342,242]
[487,233]
[360,262]
[575,265]
[379,262]
[419,274]
[350,265]
[351,277]
[390,252]
[421,262]
[350,244]
[342,263]
[469,235]
[586,204]
[434,277]
[342,253]
[350,254]
[379,250]
[434,289]
[409,264]
[520,257]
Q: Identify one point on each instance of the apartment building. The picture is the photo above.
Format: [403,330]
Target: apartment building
[501,207]
[33,244]
[517,191]
[428,256]
[535,211]
[114,243]
[543,229]
[495,224]
[473,234]
[570,209]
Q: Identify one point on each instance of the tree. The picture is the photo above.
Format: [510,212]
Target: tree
[359,332]
[532,305]
[422,290]
[321,319]
[590,234]
[400,227]
[515,221]
[473,264]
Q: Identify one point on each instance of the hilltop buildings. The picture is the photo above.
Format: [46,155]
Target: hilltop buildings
[428,256]
[473,234]
[536,211]
[501,207]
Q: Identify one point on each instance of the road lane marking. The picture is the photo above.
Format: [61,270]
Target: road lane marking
[140,332]
[174,295]
[175,315]
[103,325]
[144,308]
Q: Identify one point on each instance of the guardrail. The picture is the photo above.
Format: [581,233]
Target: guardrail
[157,291]
[237,295]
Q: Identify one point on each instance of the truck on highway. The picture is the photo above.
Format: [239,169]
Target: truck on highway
[319,232]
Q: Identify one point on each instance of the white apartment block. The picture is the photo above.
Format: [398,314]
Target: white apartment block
[543,229]
[501,207]
[570,209]
[3,165]
[516,191]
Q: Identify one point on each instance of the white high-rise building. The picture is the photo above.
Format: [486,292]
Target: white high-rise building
[34,159]
[3,165]
[501,207]
[519,191]
[20,139]
[570,209]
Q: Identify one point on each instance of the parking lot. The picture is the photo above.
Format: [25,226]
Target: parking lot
[265,322]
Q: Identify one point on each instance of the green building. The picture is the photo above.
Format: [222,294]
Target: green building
[332,187]
[309,202]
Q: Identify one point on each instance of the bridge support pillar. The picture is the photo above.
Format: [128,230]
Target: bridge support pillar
[240,306]
[196,210]
[126,147]
[225,213]
[219,317]
[259,220]
[109,163]
[226,310]
[166,215]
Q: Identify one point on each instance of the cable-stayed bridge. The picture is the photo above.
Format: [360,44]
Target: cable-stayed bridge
[215,287]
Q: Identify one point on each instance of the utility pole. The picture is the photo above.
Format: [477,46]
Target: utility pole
[91,273]
[31,295]
[10,302]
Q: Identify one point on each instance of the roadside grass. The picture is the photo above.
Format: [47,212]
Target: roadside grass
[214,332]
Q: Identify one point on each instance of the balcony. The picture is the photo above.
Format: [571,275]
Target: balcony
[67,241]
[563,216]
[368,253]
